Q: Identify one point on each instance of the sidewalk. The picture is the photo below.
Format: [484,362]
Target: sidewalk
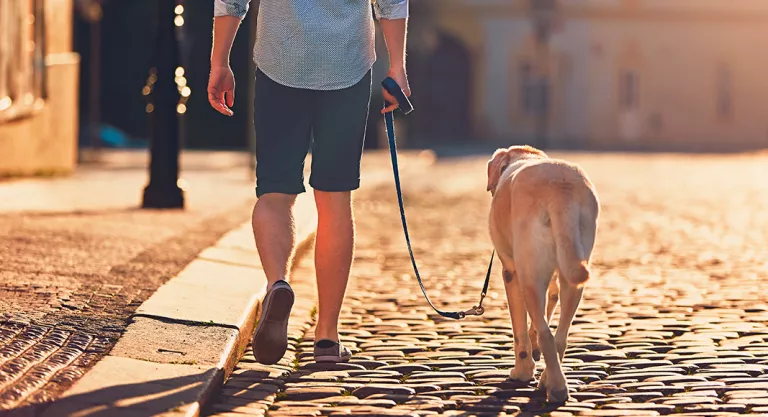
[80,262]
[674,321]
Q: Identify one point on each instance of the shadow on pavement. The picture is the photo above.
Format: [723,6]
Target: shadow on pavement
[80,212]
[127,400]
[511,396]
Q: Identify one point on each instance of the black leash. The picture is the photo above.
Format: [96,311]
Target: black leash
[406,107]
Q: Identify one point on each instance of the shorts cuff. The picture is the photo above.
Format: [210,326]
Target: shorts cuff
[338,186]
[279,188]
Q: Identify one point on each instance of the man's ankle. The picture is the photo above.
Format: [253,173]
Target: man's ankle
[333,335]
[271,283]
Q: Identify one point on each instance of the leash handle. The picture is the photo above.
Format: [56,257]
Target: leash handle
[393,88]
[406,107]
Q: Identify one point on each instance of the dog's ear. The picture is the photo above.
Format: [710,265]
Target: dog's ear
[496,165]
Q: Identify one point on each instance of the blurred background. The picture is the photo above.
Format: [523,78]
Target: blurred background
[645,75]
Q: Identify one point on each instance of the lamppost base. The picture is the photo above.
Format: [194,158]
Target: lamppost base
[163,197]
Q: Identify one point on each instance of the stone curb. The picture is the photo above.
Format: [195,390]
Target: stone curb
[185,339]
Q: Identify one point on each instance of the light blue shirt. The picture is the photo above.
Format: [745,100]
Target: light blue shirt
[315,44]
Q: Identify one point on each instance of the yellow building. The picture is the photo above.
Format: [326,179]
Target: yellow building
[654,74]
[38,87]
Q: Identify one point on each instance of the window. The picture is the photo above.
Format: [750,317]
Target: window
[534,91]
[724,92]
[629,98]
[22,67]
[527,88]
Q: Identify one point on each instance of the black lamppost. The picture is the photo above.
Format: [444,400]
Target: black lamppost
[543,13]
[163,190]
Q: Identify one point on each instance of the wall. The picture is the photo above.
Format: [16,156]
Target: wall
[46,141]
[675,46]
[678,62]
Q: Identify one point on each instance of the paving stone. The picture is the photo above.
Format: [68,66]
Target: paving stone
[346,386]
[660,408]
[367,364]
[441,364]
[616,413]
[249,394]
[373,373]
[421,388]
[364,381]
[373,412]
[372,389]
[586,396]
[609,400]
[405,368]
[402,398]
[296,404]
[442,382]
[687,400]
[307,394]
[688,379]
[751,402]
[521,392]
[434,405]
[747,394]
[727,408]
[642,396]
[247,408]
[332,366]
[441,375]
[451,393]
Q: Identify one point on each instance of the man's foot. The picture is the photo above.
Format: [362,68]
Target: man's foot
[270,340]
[330,351]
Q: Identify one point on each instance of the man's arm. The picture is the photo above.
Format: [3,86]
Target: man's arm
[228,14]
[393,19]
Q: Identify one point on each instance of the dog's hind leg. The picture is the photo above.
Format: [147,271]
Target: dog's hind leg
[571,297]
[535,271]
[524,364]
[553,295]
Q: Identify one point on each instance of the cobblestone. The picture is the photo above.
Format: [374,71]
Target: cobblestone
[674,321]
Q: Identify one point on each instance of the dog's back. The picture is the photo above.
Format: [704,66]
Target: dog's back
[553,210]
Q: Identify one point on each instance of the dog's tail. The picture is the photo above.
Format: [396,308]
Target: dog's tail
[571,261]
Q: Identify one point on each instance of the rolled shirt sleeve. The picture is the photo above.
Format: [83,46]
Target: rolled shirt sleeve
[236,8]
[390,9]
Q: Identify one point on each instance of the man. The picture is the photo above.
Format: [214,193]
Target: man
[313,88]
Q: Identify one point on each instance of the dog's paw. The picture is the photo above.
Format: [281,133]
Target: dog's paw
[556,388]
[558,396]
[522,373]
[542,386]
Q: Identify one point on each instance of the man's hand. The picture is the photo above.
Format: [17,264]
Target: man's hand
[221,88]
[399,75]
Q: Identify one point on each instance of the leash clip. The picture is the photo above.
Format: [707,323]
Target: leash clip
[474,311]
[477,310]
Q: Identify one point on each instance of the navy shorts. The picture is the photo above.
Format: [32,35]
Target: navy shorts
[290,122]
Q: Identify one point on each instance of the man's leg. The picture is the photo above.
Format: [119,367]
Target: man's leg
[275,234]
[283,122]
[339,132]
[334,246]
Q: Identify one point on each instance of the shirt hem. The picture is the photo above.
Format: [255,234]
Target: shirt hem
[333,87]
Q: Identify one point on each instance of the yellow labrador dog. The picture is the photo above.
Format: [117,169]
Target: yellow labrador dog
[543,222]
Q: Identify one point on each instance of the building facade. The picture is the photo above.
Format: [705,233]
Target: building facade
[643,74]
[38,87]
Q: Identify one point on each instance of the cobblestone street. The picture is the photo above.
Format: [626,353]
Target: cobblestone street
[673,321]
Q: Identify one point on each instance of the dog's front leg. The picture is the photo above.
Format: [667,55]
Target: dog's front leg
[524,364]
